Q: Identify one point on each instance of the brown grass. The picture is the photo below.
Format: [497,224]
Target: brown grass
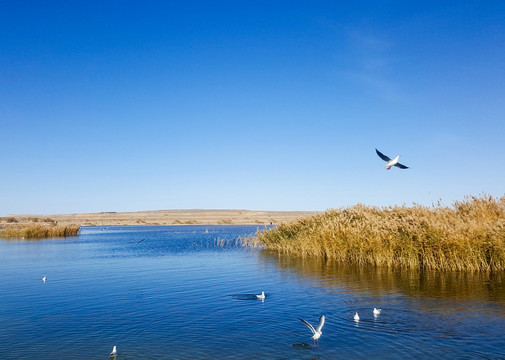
[38,231]
[8,219]
[470,235]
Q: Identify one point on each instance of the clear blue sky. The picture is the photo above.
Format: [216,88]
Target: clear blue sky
[261,105]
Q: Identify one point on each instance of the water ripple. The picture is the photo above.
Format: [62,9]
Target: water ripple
[179,295]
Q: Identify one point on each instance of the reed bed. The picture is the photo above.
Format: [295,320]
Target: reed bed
[470,235]
[38,231]
[248,242]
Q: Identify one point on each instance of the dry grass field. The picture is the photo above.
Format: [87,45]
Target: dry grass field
[162,217]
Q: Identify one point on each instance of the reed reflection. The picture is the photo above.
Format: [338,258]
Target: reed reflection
[382,280]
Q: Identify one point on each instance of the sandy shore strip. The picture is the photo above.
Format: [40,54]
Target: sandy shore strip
[163,217]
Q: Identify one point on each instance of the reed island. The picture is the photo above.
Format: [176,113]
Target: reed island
[38,229]
[469,235]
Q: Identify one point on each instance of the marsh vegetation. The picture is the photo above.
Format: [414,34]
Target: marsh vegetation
[38,231]
[469,235]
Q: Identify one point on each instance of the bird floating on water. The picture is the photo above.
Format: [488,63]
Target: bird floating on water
[356,317]
[261,296]
[44,279]
[376,312]
[390,162]
[114,352]
[316,332]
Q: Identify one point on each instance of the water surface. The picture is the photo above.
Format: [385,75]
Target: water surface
[174,292]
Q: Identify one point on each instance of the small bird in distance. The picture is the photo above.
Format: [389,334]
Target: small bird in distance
[376,312]
[261,296]
[390,162]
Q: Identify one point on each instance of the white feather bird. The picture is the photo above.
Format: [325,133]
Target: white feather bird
[316,333]
[391,162]
[261,296]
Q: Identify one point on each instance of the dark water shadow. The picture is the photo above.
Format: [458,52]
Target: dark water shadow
[378,281]
[247,297]
[306,348]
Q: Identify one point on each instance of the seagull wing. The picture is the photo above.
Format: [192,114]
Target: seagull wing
[321,323]
[401,166]
[309,326]
[382,156]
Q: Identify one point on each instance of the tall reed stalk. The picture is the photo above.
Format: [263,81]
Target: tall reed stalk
[470,235]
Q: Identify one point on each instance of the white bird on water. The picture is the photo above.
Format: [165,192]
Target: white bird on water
[391,162]
[114,352]
[261,296]
[356,317]
[316,332]
[44,279]
[376,312]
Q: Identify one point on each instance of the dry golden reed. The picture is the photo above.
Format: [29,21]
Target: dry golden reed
[38,231]
[470,235]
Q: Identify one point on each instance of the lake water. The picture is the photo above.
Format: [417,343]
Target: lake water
[173,292]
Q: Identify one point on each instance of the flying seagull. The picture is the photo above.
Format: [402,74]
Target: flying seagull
[261,296]
[316,332]
[391,162]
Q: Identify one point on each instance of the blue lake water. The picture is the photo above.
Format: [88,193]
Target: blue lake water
[174,292]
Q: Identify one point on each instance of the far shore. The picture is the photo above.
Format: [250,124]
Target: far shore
[162,217]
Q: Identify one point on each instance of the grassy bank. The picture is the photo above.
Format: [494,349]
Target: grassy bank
[470,235]
[38,231]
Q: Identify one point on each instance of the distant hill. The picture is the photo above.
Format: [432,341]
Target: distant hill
[163,217]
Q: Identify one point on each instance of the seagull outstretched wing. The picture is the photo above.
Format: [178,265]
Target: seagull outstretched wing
[401,166]
[310,326]
[321,323]
[382,156]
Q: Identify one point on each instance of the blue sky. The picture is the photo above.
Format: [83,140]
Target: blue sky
[261,105]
